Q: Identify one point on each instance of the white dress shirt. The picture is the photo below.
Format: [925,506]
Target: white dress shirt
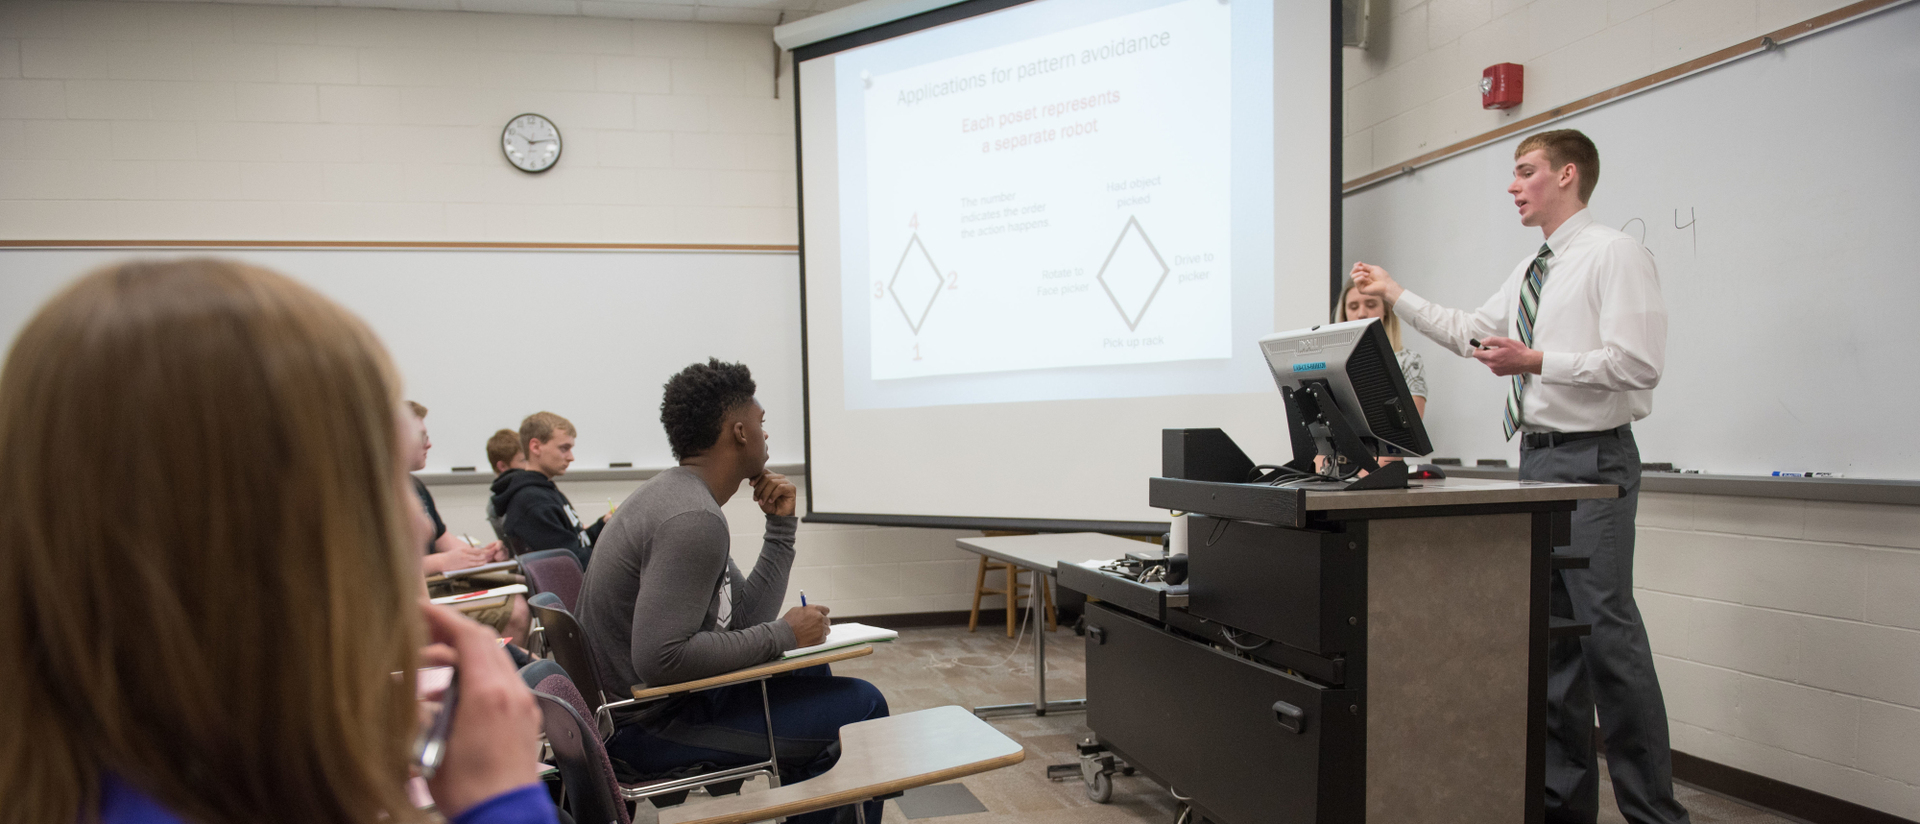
[1601,329]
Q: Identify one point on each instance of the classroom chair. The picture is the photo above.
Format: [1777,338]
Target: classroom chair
[589,792]
[567,643]
[880,758]
[556,571]
[1012,591]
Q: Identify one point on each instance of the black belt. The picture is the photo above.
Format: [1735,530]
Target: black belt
[1549,440]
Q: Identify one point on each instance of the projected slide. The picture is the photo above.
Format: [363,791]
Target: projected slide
[1057,201]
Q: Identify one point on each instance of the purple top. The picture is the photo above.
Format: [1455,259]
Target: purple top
[120,803]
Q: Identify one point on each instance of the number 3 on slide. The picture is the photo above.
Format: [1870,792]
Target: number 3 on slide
[879,290]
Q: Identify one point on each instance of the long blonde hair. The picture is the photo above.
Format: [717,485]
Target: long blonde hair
[206,579]
[1388,319]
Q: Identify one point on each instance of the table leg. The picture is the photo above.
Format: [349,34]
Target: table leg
[1040,706]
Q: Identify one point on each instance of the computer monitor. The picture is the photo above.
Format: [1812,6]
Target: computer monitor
[1351,368]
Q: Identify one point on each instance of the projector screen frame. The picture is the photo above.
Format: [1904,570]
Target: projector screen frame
[941,16]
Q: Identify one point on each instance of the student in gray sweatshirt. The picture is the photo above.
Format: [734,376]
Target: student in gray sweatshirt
[664,603]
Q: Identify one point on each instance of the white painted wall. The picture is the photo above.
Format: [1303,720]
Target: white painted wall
[1787,636]
[1416,87]
[235,122]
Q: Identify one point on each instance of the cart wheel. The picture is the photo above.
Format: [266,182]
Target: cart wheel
[1101,789]
[1127,770]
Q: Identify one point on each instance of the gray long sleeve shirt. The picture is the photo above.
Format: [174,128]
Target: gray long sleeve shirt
[651,600]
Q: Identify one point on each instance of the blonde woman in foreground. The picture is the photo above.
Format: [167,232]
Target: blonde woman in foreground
[210,598]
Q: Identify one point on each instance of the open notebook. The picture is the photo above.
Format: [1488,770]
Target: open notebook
[845,635]
[482,595]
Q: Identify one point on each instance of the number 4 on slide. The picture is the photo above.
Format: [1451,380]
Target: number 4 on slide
[914,222]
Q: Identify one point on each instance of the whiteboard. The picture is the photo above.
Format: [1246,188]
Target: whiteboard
[484,338]
[1780,195]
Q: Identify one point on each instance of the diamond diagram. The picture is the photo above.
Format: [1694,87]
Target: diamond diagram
[1132,273]
[916,282]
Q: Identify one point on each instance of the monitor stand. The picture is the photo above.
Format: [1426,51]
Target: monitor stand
[1318,427]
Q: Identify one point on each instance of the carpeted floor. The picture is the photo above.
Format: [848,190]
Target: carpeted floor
[947,665]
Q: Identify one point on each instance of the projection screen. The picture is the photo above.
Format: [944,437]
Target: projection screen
[1035,234]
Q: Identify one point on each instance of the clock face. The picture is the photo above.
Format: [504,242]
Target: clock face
[531,142]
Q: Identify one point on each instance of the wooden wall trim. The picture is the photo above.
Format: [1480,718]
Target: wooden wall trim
[1764,42]
[397,244]
[1776,796]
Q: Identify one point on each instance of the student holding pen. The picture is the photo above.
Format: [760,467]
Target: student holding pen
[238,642]
[664,603]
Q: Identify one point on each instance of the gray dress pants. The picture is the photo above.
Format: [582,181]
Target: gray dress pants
[1613,667]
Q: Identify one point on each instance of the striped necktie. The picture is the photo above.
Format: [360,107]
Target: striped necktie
[1529,308]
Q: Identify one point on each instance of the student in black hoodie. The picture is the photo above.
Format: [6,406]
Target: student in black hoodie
[504,454]
[534,513]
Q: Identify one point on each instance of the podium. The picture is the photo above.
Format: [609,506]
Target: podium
[1340,656]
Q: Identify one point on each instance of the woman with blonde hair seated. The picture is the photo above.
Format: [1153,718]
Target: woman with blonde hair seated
[210,590]
[1356,306]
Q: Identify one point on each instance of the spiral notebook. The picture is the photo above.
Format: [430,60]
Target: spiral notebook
[845,635]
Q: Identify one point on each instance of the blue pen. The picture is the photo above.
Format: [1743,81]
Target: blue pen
[803,597]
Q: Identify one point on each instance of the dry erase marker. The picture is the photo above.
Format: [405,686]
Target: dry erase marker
[1477,344]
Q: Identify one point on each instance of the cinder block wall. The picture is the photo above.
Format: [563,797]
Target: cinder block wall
[1787,636]
[144,121]
[1416,87]
[237,122]
[1786,633]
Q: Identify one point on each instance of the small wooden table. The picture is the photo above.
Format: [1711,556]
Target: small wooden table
[1043,554]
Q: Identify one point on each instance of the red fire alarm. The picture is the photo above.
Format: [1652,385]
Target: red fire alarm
[1500,86]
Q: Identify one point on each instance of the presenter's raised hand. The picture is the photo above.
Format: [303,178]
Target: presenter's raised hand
[809,624]
[1373,280]
[1506,356]
[774,493]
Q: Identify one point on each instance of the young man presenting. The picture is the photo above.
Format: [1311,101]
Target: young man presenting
[664,602]
[1579,330]
[534,513]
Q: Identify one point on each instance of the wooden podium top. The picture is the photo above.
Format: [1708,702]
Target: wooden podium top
[1288,506]
[1457,492]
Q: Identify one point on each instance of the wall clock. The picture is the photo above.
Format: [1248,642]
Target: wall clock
[531,142]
